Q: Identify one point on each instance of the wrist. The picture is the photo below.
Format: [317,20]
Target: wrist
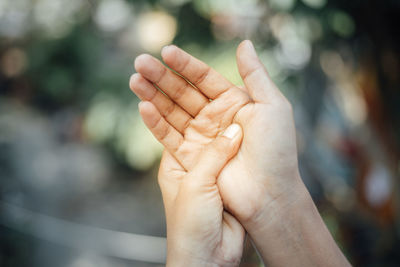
[184,261]
[292,225]
[274,209]
[183,254]
[191,260]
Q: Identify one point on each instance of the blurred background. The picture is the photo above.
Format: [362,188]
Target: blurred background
[78,168]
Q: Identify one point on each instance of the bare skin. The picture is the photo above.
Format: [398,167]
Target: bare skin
[261,185]
[196,221]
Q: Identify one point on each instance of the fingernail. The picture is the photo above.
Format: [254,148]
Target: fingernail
[231,131]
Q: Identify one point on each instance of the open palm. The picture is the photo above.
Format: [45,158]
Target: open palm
[195,109]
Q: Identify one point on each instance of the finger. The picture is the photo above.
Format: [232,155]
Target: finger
[173,114]
[171,84]
[233,231]
[206,79]
[255,77]
[215,156]
[232,223]
[161,129]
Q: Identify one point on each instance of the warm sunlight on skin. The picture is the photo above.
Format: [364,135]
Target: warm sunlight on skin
[261,185]
[187,121]
[196,121]
[194,209]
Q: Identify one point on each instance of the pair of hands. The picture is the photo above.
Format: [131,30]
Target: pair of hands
[230,163]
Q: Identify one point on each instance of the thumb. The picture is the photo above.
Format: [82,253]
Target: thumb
[255,77]
[215,156]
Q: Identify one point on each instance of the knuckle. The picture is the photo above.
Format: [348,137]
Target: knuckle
[161,76]
[183,64]
[203,75]
[170,109]
[186,124]
[180,91]
[165,133]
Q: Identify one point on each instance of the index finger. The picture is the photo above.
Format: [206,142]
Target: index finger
[205,78]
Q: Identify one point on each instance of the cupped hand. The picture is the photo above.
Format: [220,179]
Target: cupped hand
[199,231]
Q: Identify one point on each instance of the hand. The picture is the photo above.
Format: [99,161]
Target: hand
[199,231]
[265,168]
[261,185]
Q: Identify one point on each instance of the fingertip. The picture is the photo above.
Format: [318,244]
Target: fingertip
[141,87]
[141,60]
[253,73]
[246,44]
[249,44]
[169,53]
[246,51]
[145,107]
[133,80]
[166,49]
[146,110]
[149,113]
